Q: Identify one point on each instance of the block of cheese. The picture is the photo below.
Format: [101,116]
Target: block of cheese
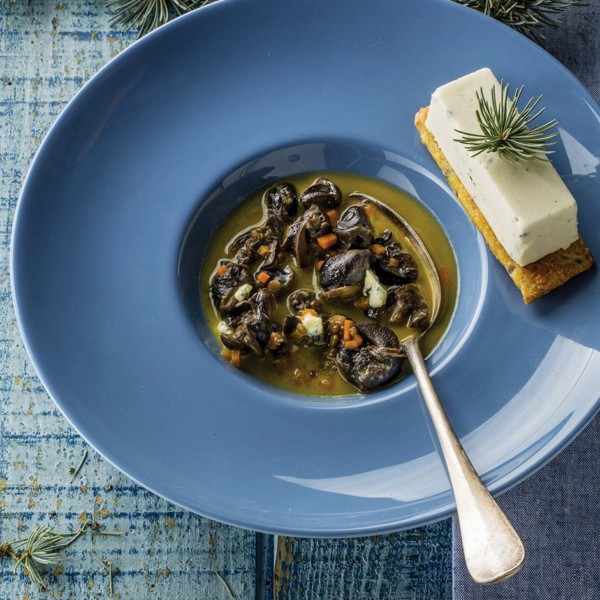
[528,206]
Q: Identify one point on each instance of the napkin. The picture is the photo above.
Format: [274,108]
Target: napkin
[556,511]
[556,514]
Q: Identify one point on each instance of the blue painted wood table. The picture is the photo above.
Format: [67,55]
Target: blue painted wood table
[48,49]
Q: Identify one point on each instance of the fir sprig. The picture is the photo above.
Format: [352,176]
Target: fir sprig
[526,16]
[507,132]
[146,15]
[43,547]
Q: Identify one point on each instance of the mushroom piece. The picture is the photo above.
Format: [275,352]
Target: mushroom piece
[345,269]
[263,304]
[282,200]
[307,329]
[379,335]
[409,302]
[346,292]
[253,327]
[246,245]
[405,305]
[309,226]
[383,238]
[223,286]
[323,193]
[353,229]
[368,367]
[302,299]
[271,257]
[290,322]
[301,248]
[282,277]
[274,225]
[395,267]
[243,339]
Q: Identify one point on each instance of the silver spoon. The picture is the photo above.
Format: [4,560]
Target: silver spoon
[493,549]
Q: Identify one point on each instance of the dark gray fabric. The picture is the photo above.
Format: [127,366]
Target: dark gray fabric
[577,44]
[556,513]
[557,510]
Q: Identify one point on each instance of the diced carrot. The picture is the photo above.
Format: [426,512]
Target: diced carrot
[333,216]
[272,344]
[354,343]
[226,353]
[309,311]
[263,277]
[319,264]
[236,356]
[377,249]
[327,240]
[393,262]
[222,270]
[347,326]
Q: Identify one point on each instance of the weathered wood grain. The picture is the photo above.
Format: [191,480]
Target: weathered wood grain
[410,565]
[47,51]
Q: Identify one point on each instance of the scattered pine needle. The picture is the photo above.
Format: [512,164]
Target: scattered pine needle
[225,584]
[108,568]
[75,472]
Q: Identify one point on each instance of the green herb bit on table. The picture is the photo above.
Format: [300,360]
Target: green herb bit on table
[506,131]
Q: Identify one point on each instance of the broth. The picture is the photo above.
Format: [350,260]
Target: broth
[303,369]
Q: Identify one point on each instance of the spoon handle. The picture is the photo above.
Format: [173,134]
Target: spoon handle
[493,550]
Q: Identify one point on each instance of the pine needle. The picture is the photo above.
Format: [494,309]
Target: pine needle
[108,568]
[224,582]
[75,472]
[526,16]
[505,131]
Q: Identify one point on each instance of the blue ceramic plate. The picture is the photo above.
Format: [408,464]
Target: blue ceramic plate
[151,155]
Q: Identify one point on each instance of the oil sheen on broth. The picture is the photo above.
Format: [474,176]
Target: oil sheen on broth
[301,363]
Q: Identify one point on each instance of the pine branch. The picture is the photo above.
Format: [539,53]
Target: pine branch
[146,15]
[526,16]
[505,131]
[43,547]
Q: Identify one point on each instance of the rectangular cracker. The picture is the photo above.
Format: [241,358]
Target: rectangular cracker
[535,279]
